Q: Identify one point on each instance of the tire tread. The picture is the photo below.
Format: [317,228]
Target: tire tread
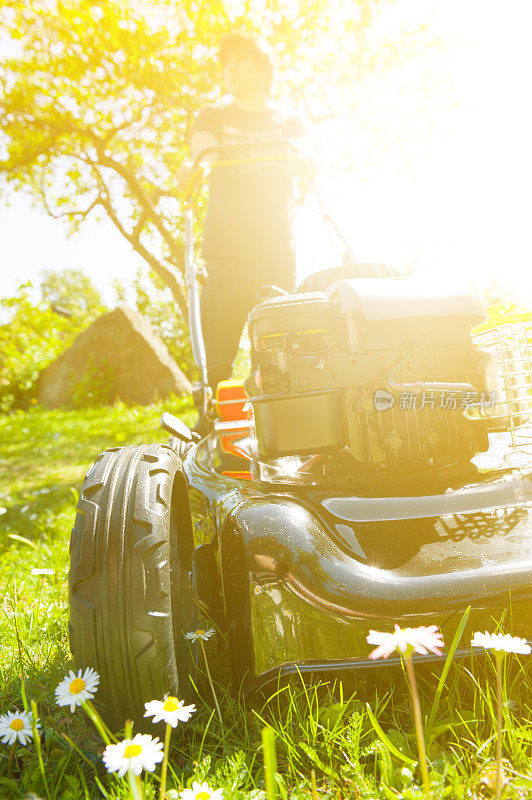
[121,620]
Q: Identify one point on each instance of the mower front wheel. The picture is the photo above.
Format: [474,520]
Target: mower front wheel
[129,589]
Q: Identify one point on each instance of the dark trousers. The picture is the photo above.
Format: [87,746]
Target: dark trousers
[227,297]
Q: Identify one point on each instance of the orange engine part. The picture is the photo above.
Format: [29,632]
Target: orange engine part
[230,400]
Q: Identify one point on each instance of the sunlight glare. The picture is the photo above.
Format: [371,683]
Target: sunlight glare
[442,188]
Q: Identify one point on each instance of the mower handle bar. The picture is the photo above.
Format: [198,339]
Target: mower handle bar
[224,148]
[196,167]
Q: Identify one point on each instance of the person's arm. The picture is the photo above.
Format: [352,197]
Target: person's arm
[198,142]
[204,135]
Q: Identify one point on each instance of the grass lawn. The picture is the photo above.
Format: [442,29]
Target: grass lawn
[326,733]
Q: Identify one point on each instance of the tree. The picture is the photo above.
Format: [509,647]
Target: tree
[97,98]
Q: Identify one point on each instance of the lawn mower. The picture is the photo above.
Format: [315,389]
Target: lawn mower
[375,468]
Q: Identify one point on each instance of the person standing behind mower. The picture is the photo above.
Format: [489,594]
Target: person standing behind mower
[248,238]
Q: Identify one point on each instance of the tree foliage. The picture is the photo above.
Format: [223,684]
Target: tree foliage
[32,336]
[97,98]
[153,300]
[73,292]
[501,308]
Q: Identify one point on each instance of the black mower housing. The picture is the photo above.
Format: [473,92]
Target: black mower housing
[305,571]
[295,558]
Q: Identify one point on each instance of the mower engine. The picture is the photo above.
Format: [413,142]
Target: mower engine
[384,367]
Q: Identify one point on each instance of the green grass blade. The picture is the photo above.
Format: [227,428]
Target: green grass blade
[385,740]
[270,762]
[446,667]
[22,539]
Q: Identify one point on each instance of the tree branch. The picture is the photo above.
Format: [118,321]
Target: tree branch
[134,185]
[164,273]
[66,124]
[137,230]
[78,213]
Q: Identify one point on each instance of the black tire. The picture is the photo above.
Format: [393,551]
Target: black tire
[130,598]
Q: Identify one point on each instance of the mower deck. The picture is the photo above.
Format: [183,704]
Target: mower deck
[309,565]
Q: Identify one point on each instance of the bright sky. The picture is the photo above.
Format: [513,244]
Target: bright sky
[32,241]
[459,204]
[456,202]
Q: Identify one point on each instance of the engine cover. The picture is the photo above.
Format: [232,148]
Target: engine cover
[383,366]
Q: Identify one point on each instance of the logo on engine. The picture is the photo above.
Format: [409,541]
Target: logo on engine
[383,400]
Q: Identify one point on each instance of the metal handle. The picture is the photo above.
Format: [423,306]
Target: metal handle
[424,386]
[194,309]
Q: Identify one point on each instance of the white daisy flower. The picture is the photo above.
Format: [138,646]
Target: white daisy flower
[406,640]
[15,725]
[193,636]
[501,643]
[170,710]
[201,791]
[141,752]
[36,571]
[77,689]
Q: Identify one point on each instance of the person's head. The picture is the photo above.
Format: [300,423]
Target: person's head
[247,66]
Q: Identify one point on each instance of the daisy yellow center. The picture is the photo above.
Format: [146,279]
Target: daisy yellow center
[201,633]
[132,750]
[16,724]
[171,704]
[76,686]
[203,796]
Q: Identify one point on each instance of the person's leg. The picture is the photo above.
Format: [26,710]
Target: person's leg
[226,299]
